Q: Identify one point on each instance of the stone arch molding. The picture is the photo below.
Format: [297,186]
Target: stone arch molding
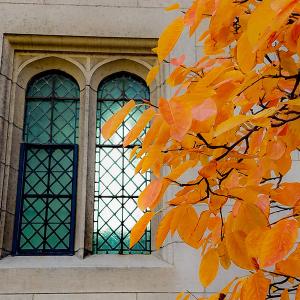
[36,65]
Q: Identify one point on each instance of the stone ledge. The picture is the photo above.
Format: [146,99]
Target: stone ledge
[95,261]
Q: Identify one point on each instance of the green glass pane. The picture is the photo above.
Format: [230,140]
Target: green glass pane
[38,119]
[135,89]
[32,237]
[64,122]
[41,87]
[112,89]
[65,87]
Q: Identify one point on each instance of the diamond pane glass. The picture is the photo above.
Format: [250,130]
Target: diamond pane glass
[116,187]
[52,111]
[46,192]
[47,199]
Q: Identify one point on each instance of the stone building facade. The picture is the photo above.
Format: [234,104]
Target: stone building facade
[87,40]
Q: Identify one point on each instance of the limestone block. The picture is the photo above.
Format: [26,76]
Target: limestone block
[162,296]
[163,3]
[15,147]
[8,236]
[112,3]
[102,296]
[16,297]
[3,138]
[12,190]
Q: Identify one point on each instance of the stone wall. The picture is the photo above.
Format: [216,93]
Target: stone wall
[157,276]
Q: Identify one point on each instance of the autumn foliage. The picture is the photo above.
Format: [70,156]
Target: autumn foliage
[234,122]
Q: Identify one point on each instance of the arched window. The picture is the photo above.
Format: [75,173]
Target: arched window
[116,186]
[46,197]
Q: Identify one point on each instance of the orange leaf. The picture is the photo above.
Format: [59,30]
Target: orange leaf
[279,240]
[209,170]
[245,57]
[169,38]
[163,228]
[152,74]
[205,110]
[285,295]
[289,266]
[297,297]
[276,149]
[201,226]
[288,193]
[177,116]
[182,168]
[111,125]
[249,217]
[172,7]
[231,123]
[150,194]
[209,267]
[254,240]
[139,228]
[236,246]
[139,126]
[256,287]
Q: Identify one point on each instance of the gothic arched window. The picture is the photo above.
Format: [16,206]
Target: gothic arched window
[46,197]
[116,186]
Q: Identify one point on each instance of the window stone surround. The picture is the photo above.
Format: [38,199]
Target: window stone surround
[88,60]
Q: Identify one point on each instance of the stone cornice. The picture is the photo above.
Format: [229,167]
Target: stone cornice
[98,45]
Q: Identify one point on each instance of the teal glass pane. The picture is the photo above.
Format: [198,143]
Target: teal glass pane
[135,89]
[52,111]
[65,87]
[65,122]
[37,121]
[46,210]
[116,186]
[41,87]
[50,135]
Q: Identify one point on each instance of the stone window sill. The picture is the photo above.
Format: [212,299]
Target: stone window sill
[91,262]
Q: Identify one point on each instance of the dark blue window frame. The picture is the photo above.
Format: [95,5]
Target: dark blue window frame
[47,184]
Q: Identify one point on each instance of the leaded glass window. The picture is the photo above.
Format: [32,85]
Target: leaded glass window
[116,186]
[45,214]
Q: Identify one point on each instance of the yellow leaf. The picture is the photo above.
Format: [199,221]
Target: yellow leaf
[172,7]
[249,217]
[153,155]
[254,240]
[231,123]
[179,296]
[236,246]
[111,125]
[245,57]
[177,116]
[223,255]
[139,228]
[256,287]
[169,38]
[133,151]
[163,228]
[209,267]
[289,266]
[182,168]
[152,132]
[139,126]
[259,24]
[152,74]
[279,240]
[150,194]
[285,295]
